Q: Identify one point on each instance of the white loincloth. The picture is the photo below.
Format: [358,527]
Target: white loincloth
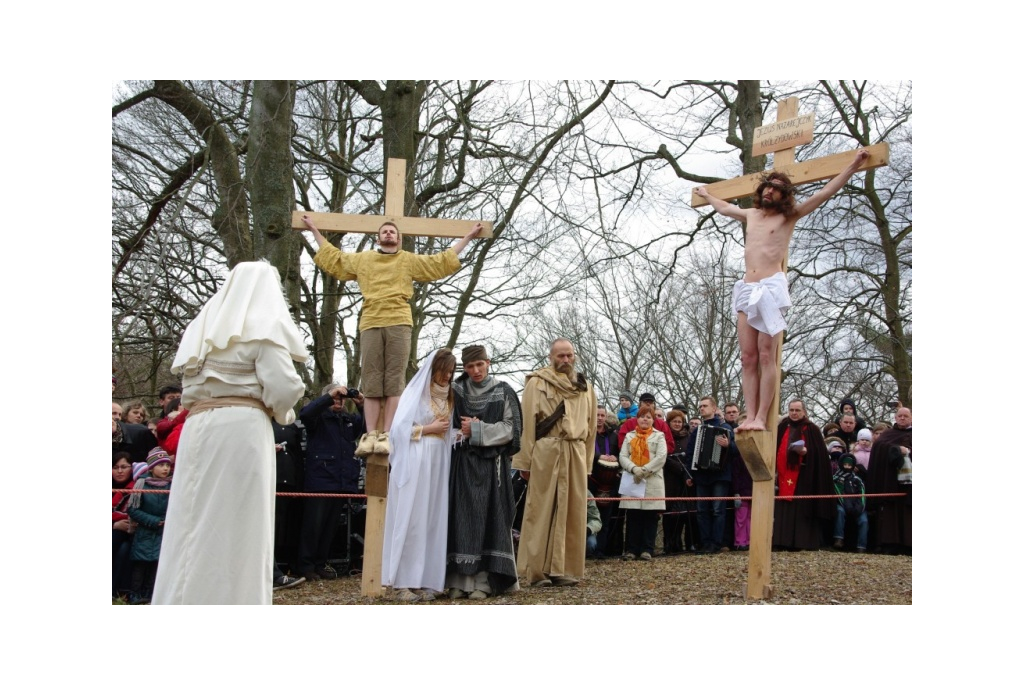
[765,302]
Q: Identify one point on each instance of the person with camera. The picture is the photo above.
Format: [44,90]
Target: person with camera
[331,467]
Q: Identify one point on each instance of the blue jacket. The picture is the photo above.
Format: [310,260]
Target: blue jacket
[152,510]
[331,461]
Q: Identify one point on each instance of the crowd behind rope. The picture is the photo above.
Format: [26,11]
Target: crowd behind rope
[638,444]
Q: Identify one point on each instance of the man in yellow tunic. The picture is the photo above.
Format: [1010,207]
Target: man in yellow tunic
[555,456]
[385,278]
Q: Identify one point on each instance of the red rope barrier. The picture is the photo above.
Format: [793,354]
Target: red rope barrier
[594,499]
[745,498]
[279,494]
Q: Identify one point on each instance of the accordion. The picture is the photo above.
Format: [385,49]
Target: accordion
[708,454]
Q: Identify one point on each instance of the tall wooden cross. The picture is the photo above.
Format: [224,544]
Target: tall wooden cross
[377,465]
[758,447]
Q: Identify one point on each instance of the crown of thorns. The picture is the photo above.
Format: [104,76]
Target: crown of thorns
[770,178]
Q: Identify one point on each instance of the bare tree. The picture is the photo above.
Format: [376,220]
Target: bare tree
[587,184]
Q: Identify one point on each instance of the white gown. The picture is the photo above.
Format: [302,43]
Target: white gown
[416,519]
[218,542]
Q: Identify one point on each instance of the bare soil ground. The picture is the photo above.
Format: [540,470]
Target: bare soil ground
[823,578]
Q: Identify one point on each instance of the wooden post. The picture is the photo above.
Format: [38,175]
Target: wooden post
[373,537]
[758,447]
[377,465]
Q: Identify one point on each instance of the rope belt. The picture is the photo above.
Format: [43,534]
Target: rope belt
[217,402]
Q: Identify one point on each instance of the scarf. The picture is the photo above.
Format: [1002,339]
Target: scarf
[439,400]
[562,385]
[638,452]
[135,500]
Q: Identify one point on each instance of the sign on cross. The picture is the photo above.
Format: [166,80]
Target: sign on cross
[799,173]
[758,447]
[377,464]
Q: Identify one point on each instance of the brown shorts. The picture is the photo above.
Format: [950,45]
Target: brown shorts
[385,353]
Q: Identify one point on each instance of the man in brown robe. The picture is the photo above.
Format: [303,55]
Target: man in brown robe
[555,456]
[891,517]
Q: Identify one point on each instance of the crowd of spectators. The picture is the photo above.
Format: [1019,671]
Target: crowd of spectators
[314,455]
[672,505]
[846,457]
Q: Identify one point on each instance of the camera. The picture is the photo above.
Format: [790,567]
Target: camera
[353,393]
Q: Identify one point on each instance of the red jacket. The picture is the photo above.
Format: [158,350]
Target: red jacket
[120,502]
[168,432]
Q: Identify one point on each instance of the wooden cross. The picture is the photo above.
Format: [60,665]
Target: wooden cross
[394,210]
[758,447]
[377,465]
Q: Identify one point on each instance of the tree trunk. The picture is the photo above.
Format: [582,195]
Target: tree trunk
[269,175]
[748,118]
[231,216]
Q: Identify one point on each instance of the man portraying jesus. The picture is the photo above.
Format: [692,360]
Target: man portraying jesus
[761,299]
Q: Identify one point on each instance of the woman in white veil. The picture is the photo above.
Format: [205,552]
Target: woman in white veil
[416,521]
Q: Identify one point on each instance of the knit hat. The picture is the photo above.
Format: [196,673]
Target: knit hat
[625,396]
[864,434]
[157,455]
[832,443]
[647,397]
[474,353]
[139,469]
[847,457]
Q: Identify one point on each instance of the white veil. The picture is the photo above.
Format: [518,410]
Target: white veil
[248,306]
[413,408]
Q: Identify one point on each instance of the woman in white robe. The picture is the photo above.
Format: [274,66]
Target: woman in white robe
[237,360]
[416,520]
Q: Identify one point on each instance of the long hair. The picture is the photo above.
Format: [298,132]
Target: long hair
[444,363]
[787,205]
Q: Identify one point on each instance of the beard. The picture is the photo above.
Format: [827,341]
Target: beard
[566,369]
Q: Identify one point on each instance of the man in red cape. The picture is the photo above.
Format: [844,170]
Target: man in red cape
[803,468]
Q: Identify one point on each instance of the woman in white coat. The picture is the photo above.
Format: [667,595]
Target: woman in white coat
[642,459]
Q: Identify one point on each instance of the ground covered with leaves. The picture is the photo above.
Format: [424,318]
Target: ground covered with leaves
[824,578]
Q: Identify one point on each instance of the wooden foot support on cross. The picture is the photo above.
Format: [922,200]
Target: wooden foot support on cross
[758,451]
